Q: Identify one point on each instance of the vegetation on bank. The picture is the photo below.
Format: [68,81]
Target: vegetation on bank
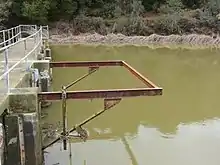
[129,17]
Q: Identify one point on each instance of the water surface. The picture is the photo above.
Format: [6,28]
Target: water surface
[181,127]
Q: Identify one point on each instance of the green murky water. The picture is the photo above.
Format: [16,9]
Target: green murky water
[182,127]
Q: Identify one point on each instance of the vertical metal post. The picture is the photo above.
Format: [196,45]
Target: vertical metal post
[48,34]
[4,37]
[12,33]
[35,43]
[15,35]
[26,59]
[41,36]
[64,115]
[9,38]
[25,45]
[19,32]
[6,70]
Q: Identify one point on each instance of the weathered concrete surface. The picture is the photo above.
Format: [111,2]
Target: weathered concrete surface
[23,139]
[12,132]
[23,100]
[32,139]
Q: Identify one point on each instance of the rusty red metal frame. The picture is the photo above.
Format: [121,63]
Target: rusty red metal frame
[150,90]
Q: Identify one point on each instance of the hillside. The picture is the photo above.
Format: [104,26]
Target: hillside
[133,17]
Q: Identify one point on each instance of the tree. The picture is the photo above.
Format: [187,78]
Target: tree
[4,12]
[36,10]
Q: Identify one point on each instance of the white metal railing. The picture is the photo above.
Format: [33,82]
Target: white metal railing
[19,47]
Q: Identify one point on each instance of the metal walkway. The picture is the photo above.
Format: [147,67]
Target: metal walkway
[19,47]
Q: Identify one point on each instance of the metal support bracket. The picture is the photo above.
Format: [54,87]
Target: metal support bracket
[93,69]
[111,96]
[111,102]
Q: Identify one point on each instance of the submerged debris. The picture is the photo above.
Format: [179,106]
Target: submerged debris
[50,131]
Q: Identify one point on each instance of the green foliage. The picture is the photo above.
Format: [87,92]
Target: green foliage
[137,8]
[4,11]
[103,16]
[36,11]
[152,4]
[170,23]
[209,15]
[213,6]
[172,6]
[192,3]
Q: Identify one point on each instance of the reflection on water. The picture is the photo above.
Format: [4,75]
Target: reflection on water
[181,127]
[196,143]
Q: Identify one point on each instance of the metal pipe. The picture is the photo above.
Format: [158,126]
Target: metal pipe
[64,117]
[6,70]
[9,38]
[81,78]
[4,38]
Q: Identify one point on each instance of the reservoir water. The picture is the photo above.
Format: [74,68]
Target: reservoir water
[181,127]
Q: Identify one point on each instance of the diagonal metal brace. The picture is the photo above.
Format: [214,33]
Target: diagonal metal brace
[108,104]
[91,70]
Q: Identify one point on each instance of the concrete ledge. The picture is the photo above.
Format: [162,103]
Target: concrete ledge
[23,100]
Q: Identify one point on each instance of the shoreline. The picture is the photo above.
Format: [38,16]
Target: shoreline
[154,41]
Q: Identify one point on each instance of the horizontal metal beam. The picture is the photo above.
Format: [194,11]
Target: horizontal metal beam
[63,64]
[95,94]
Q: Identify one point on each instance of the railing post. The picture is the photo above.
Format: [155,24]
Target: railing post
[19,29]
[25,50]
[15,34]
[9,38]
[12,33]
[35,51]
[4,37]
[7,83]
[25,45]
[41,36]
[48,32]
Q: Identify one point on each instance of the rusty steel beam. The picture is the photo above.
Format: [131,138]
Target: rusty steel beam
[104,63]
[63,64]
[95,94]
[153,90]
[139,76]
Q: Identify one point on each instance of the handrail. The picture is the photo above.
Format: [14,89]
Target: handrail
[10,39]
[15,32]
[8,46]
[17,63]
[9,29]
